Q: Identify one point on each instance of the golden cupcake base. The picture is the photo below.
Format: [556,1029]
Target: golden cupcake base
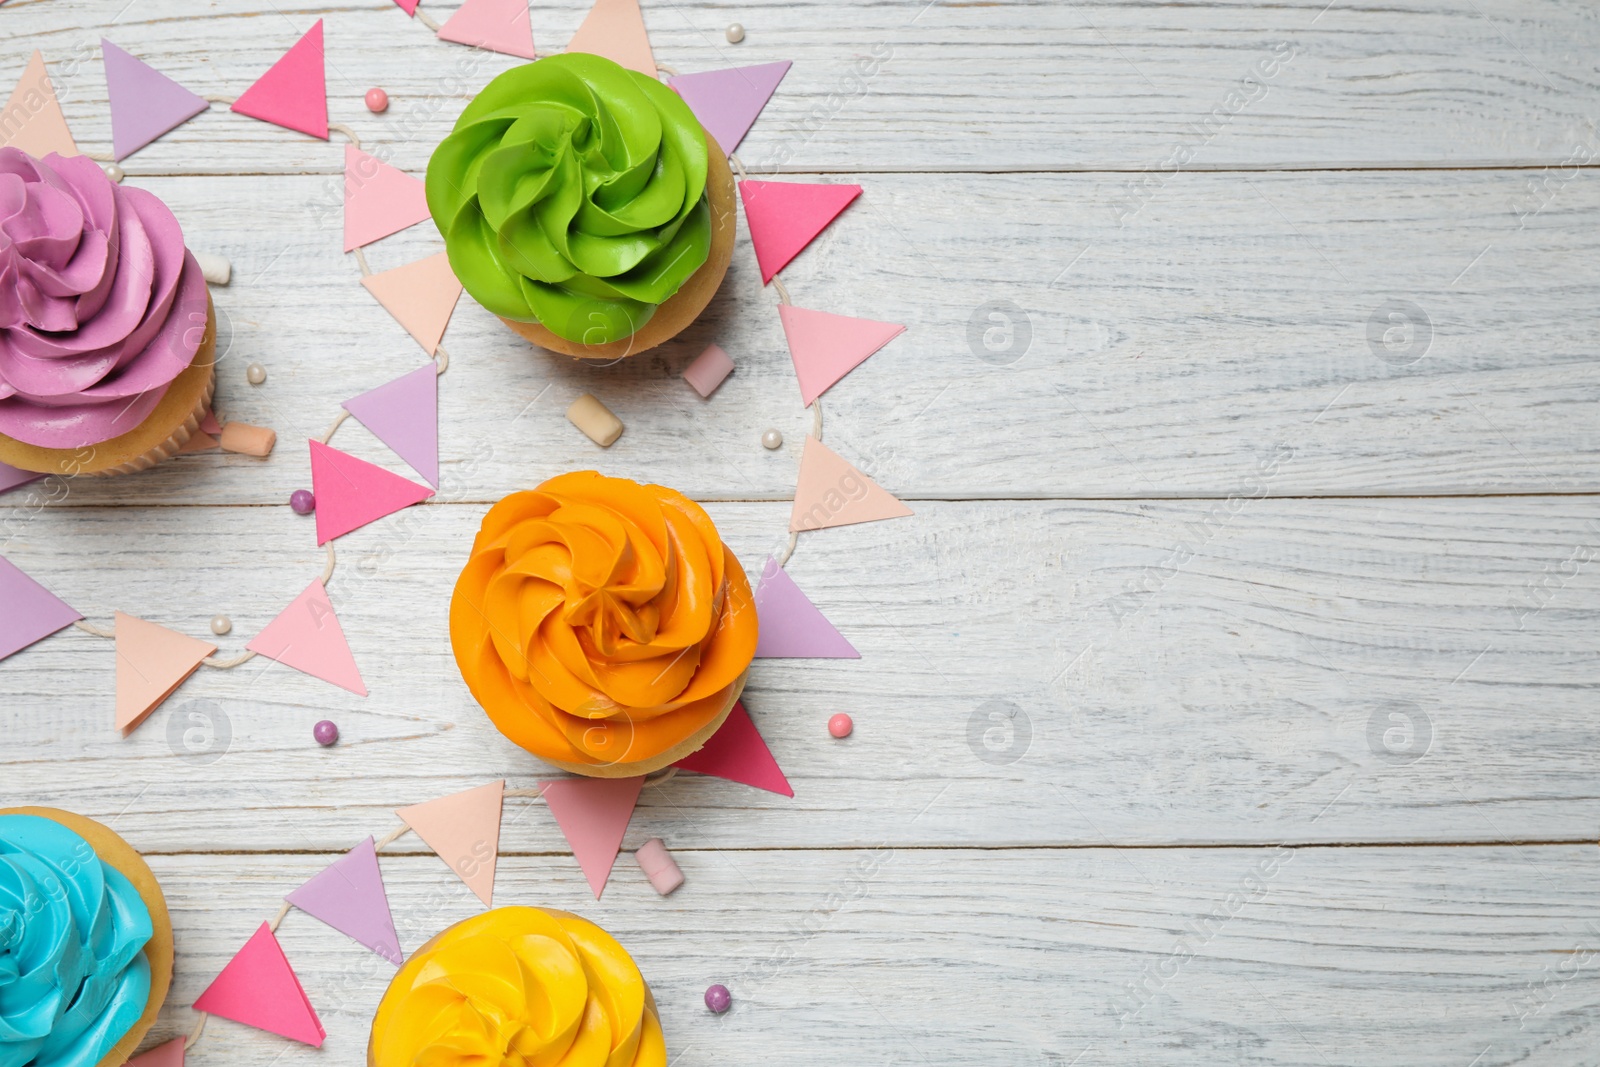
[690,745]
[683,307]
[113,850]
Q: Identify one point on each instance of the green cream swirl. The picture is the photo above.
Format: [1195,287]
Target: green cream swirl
[572,193]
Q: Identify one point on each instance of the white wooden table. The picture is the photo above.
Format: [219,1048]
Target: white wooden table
[1295,627]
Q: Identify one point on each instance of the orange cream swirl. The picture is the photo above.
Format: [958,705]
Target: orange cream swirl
[518,987]
[602,623]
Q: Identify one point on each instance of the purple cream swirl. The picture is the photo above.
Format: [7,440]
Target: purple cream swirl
[101,306]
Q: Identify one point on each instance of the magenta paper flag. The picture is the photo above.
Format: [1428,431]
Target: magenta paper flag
[378,199]
[294,92]
[169,1054]
[498,25]
[259,988]
[727,101]
[144,102]
[784,217]
[307,636]
[791,626]
[351,492]
[593,813]
[13,477]
[404,414]
[30,611]
[737,752]
[825,347]
[349,896]
[408,6]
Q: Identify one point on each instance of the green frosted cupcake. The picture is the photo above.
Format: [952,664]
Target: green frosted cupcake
[572,193]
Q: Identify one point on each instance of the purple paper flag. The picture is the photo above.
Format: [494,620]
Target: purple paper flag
[404,414]
[727,101]
[30,610]
[349,896]
[144,102]
[11,477]
[791,626]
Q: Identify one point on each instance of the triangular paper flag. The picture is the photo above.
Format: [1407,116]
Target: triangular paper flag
[12,477]
[784,217]
[615,29]
[463,829]
[32,120]
[351,492]
[30,612]
[727,101]
[833,493]
[737,752]
[259,988]
[826,347]
[593,813]
[498,25]
[145,103]
[408,6]
[152,661]
[294,92]
[210,425]
[404,414]
[378,199]
[199,441]
[169,1054]
[420,296]
[791,626]
[307,636]
[349,896]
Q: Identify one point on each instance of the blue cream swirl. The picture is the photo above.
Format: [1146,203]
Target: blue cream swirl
[73,976]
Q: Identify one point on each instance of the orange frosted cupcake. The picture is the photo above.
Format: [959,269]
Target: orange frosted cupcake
[602,624]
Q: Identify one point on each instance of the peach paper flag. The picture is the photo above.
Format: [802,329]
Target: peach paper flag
[421,296]
[615,29]
[351,492]
[152,661]
[293,93]
[378,199]
[259,988]
[307,636]
[463,829]
[784,217]
[833,493]
[825,347]
[593,813]
[498,25]
[32,120]
[169,1054]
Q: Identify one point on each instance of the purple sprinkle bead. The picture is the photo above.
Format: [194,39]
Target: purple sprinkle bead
[327,733]
[718,999]
[302,501]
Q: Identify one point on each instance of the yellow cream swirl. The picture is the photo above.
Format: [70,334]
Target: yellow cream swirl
[518,987]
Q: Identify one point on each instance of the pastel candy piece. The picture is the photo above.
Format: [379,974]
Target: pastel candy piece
[247,440]
[215,269]
[708,370]
[595,420]
[658,866]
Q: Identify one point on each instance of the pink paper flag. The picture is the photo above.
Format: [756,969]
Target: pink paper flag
[421,296]
[307,636]
[615,29]
[708,370]
[408,6]
[199,441]
[378,199]
[152,661]
[169,1054]
[784,217]
[463,829]
[826,347]
[498,25]
[737,752]
[727,101]
[404,414]
[144,102]
[13,478]
[833,493]
[349,896]
[210,425]
[32,120]
[351,492]
[259,988]
[593,813]
[294,92]
[31,612]
[791,626]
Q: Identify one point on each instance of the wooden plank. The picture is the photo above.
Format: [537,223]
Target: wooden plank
[920,86]
[1298,957]
[1226,321]
[1138,673]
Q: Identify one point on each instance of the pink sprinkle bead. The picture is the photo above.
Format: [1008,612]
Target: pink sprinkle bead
[377,101]
[841,725]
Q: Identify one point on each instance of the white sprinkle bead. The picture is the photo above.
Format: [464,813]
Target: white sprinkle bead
[114,172]
[772,440]
[221,624]
[735,33]
[255,374]
[215,269]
